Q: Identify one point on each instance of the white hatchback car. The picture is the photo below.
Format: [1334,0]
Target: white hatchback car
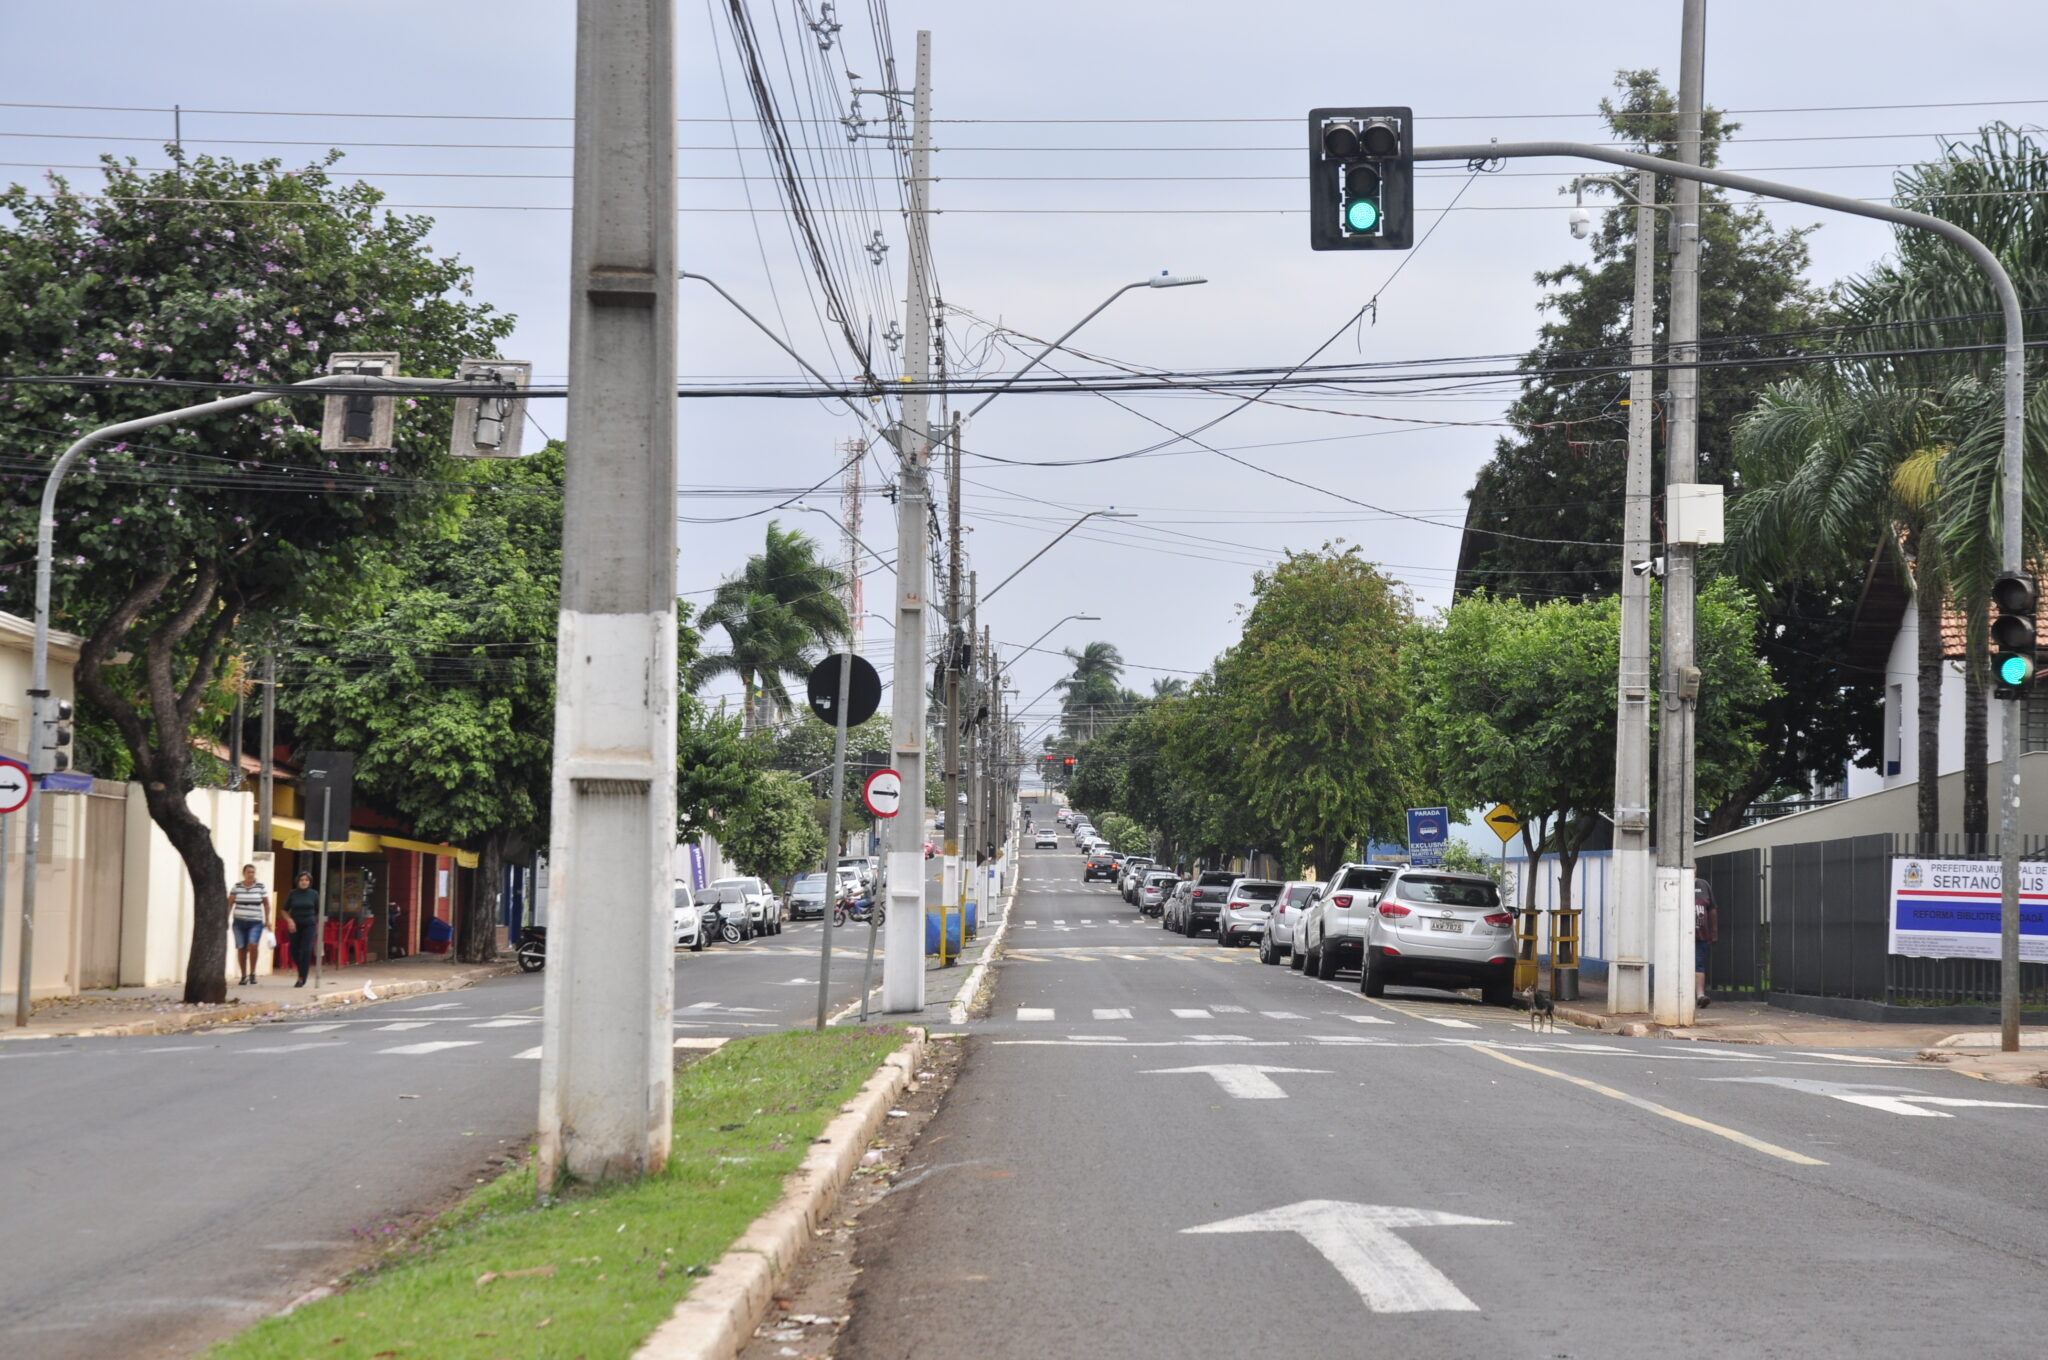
[1245,910]
[689,922]
[1278,941]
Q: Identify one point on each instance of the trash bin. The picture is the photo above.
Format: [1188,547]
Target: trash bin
[931,932]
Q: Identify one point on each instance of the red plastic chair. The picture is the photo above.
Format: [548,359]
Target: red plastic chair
[330,940]
[284,952]
[355,942]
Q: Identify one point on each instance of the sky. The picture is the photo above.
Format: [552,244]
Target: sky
[1080,147]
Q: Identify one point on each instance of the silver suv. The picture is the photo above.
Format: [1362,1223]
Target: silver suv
[1332,931]
[1441,929]
[1278,941]
[1245,910]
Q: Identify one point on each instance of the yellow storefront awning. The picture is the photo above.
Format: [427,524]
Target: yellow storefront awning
[291,834]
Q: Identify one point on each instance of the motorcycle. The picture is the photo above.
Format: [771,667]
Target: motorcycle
[858,909]
[715,924]
[533,948]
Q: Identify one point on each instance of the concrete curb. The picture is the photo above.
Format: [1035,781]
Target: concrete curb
[182,1022]
[718,1318]
[964,1002]
[1634,1029]
[2009,1069]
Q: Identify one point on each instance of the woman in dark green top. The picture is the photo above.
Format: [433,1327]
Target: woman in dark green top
[304,907]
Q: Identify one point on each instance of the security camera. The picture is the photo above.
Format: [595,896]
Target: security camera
[1649,566]
[1582,224]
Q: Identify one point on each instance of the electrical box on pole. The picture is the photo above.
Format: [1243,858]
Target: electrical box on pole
[2015,596]
[1361,178]
[359,422]
[490,425]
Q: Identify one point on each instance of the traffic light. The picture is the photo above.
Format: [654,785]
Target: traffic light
[1361,175]
[54,738]
[2014,595]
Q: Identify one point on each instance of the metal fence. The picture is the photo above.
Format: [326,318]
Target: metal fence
[1738,962]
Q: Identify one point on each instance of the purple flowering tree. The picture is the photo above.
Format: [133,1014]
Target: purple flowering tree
[175,550]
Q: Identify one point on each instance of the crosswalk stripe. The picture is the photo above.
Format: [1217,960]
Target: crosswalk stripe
[1192,1015]
[1282,1015]
[1033,1013]
[1370,1019]
[437,1006]
[316,1029]
[293,1048]
[406,1024]
[533,1052]
[1229,1010]
[505,1024]
[1447,1022]
[413,1050]
[1112,1014]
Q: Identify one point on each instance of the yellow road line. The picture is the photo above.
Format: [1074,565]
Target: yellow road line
[1691,1121]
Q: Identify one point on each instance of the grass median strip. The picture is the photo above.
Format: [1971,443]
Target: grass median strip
[592,1274]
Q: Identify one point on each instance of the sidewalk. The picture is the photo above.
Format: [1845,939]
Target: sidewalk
[948,990]
[158,1010]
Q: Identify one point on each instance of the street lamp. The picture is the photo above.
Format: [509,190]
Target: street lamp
[1092,514]
[1160,280]
[1084,618]
[810,509]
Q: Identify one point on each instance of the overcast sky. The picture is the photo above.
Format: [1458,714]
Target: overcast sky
[1051,200]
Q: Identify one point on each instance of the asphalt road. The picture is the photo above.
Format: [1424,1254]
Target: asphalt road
[161,1193]
[1424,1176]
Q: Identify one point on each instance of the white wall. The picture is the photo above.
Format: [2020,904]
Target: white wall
[156,919]
[1901,723]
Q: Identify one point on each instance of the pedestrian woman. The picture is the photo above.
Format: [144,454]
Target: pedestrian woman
[304,906]
[251,913]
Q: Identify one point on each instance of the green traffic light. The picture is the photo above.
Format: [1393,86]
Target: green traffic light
[2015,670]
[1361,214]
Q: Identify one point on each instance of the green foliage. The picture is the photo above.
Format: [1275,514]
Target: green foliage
[1124,834]
[774,832]
[780,603]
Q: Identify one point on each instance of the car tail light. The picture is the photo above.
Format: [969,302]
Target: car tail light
[1393,909]
[1505,958]
[1388,949]
[1501,918]
[1342,899]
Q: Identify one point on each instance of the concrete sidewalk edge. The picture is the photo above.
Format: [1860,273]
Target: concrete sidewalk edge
[963,1001]
[2024,1068]
[258,1010]
[720,1315]
[1613,1024]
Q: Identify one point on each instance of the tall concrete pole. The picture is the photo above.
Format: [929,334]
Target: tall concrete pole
[970,702]
[1672,1002]
[1628,985]
[951,891]
[607,1039]
[903,960]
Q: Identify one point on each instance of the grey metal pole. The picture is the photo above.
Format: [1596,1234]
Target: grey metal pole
[320,912]
[607,1051]
[4,826]
[952,892]
[903,958]
[970,700]
[831,898]
[266,778]
[2012,449]
[1628,990]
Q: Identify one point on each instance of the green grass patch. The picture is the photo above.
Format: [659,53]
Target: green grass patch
[596,1271]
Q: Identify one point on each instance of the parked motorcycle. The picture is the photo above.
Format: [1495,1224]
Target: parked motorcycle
[722,920]
[533,948]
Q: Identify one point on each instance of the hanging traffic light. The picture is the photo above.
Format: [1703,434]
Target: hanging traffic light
[2015,596]
[1361,179]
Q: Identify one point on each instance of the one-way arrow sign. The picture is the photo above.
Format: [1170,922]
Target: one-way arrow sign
[1242,1080]
[13,785]
[1358,1239]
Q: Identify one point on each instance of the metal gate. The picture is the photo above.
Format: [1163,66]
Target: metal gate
[106,849]
[1738,962]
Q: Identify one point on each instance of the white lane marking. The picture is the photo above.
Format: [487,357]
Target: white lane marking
[1059,920]
[1224,1038]
[1901,1100]
[1192,1015]
[437,1006]
[1858,1058]
[1358,1239]
[508,1023]
[1112,1013]
[1242,1081]
[1447,1023]
[1282,1015]
[315,1029]
[1034,1013]
[293,1048]
[1230,1010]
[1098,1038]
[533,1052]
[698,1006]
[406,1024]
[1366,1019]
[414,1050]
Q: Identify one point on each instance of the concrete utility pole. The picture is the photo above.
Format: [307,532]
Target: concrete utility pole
[950,892]
[903,959]
[1628,987]
[607,1037]
[970,703]
[1672,998]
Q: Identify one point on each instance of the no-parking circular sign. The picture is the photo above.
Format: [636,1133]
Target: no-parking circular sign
[883,793]
[14,780]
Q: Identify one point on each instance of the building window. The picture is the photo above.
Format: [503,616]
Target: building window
[1894,727]
[2034,722]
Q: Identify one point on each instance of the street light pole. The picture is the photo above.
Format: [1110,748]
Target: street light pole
[1161,280]
[1092,514]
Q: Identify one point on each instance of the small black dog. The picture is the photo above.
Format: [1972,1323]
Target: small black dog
[1542,1011]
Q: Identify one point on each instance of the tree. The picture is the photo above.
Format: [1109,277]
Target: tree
[444,684]
[774,832]
[781,603]
[1091,697]
[221,272]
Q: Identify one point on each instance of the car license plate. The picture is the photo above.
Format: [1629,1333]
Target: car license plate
[1452,926]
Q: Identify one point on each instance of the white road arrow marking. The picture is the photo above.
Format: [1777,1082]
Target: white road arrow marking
[1891,1099]
[1244,1081]
[1358,1239]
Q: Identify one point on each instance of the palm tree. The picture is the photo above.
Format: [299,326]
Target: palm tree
[1093,684]
[780,605]
[1170,687]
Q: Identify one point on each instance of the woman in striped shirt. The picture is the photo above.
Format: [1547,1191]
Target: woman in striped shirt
[251,912]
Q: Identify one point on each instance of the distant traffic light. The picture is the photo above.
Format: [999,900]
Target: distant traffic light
[2015,596]
[54,738]
[1361,174]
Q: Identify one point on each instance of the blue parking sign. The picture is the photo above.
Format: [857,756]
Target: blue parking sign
[1429,831]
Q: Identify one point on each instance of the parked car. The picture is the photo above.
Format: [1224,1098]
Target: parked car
[1245,910]
[858,867]
[1205,901]
[1278,941]
[689,922]
[1441,929]
[1175,912]
[808,897]
[1152,895]
[1098,865]
[1332,931]
[1131,875]
[764,908]
[1046,839]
